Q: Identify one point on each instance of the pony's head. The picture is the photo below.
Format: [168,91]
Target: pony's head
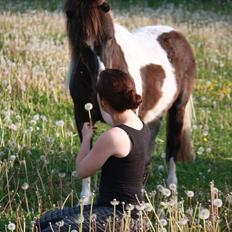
[88,21]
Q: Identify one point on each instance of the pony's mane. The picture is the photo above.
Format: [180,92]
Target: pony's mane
[91,16]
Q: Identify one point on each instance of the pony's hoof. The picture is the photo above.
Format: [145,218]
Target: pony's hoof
[85,199]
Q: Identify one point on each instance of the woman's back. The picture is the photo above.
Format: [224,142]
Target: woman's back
[122,178]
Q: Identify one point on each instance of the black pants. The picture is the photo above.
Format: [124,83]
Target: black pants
[69,219]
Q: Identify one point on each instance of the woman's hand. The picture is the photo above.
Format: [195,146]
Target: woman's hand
[87,131]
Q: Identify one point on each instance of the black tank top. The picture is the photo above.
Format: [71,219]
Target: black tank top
[122,178]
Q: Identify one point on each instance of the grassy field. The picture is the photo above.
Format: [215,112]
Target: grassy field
[38,140]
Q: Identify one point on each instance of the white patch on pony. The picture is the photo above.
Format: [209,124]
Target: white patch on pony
[68,76]
[141,48]
[172,179]
[101,66]
[107,118]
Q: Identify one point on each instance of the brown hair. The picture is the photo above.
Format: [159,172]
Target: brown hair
[118,89]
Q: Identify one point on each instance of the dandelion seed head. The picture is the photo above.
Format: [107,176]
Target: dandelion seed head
[12,158]
[204,214]
[25,186]
[159,187]
[183,221]
[163,222]
[88,106]
[166,192]
[11,226]
[74,173]
[217,202]
[172,187]
[189,211]
[114,202]
[59,123]
[36,117]
[148,207]
[61,174]
[60,223]
[160,168]
[190,194]
[130,207]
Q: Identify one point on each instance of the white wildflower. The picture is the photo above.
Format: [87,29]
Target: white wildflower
[172,187]
[140,207]
[61,174]
[148,207]
[114,202]
[204,214]
[163,222]
[11,226]
[36,117]
[160,168]
[74,173]
[189,211]
[25,186]
[183,221]
[166,192]
[217,202]
[190,194]
[12,158]
[14,127]
[88,106]
[60,123]
[130,207]
[159,187]
[60,223]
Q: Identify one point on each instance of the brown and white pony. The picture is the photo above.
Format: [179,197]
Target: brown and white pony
[159,59]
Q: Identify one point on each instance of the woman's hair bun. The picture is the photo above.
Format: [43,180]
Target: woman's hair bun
[118,89]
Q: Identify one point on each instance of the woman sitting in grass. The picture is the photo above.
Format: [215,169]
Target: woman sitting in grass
[119,152]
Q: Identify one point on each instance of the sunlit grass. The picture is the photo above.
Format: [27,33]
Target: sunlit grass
[38,139]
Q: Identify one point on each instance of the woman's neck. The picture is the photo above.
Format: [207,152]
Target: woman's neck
[125,117]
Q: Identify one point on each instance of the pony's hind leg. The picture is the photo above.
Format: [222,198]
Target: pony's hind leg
[154,127]
[178,135]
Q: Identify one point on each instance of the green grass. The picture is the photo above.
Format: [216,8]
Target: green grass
[33,63]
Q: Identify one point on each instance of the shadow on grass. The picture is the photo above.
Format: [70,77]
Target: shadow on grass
[197,175]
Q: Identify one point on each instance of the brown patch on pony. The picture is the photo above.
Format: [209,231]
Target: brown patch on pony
[182,58]
[180,55]
[113,56]
[152,78]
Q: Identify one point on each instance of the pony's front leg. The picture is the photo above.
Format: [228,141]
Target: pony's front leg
[86,191]
[172,178]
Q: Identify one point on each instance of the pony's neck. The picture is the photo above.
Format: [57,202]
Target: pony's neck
[112,55]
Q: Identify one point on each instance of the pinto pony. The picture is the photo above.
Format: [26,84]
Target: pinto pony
[159,59]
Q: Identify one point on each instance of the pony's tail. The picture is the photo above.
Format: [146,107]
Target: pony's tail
[185,152]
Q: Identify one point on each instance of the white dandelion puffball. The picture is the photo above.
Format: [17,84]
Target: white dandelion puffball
[60,223]
[183,221]
[60,123]
[114,202]
[204,214]
[163,222]
[88,106]
[25,186]
[190,194]
[172,187]
[166,192]
[217,203]
[11,226]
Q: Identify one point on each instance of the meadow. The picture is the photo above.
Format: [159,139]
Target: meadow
[38,138]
